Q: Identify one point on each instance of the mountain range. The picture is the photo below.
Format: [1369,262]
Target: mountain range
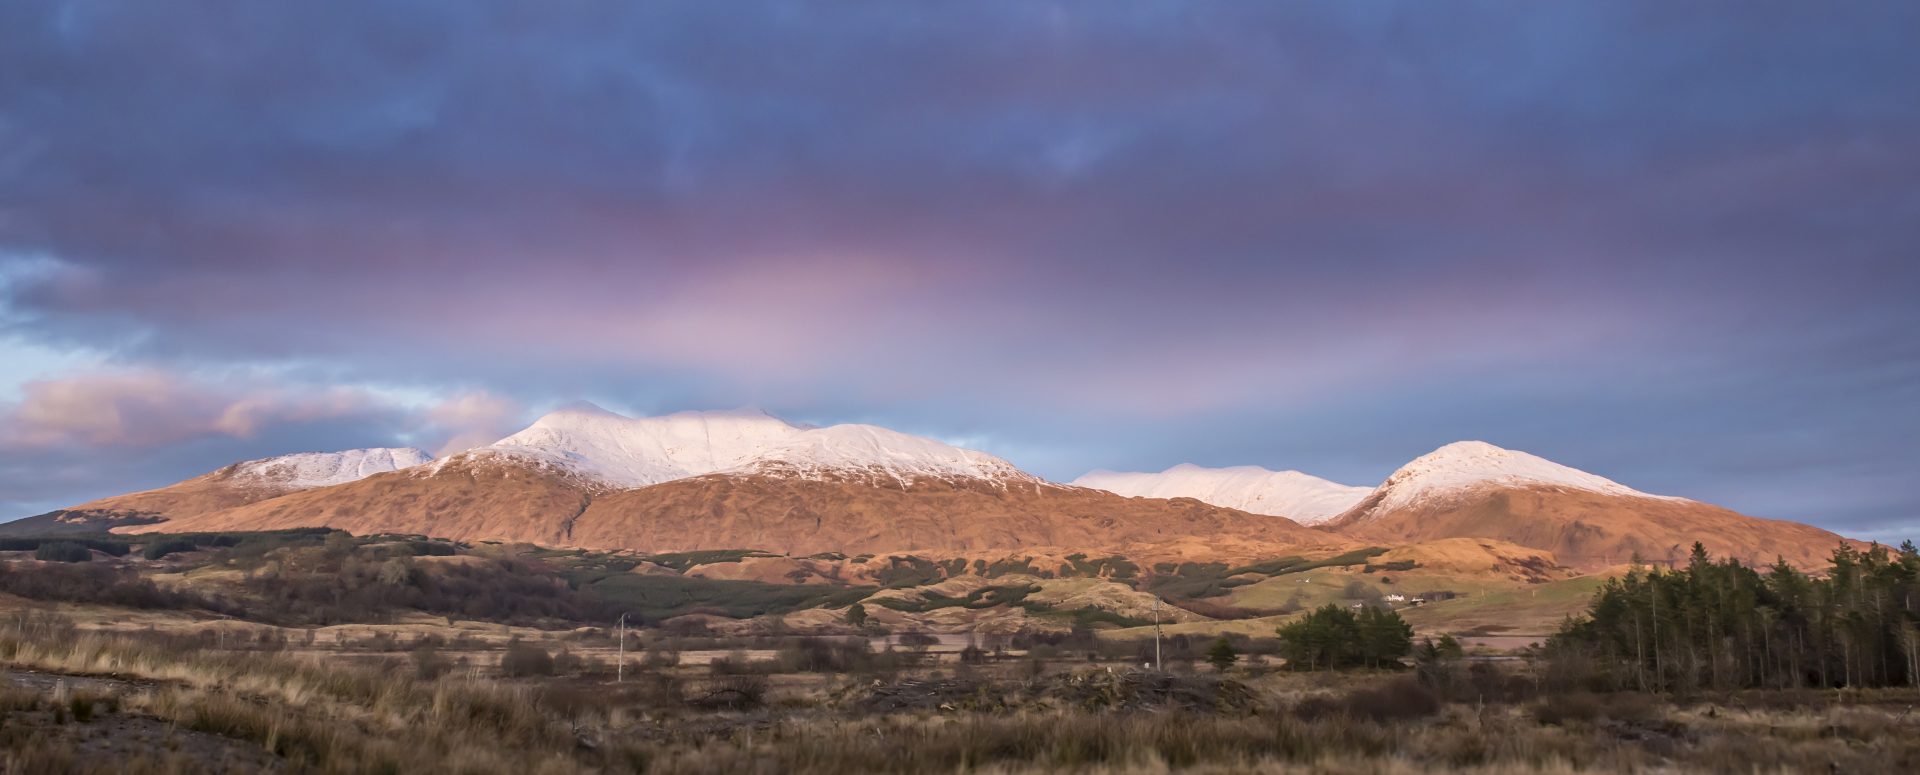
[586,477]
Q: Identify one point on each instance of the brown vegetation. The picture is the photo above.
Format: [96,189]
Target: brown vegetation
[1589,531]
[77,702]
[498,500]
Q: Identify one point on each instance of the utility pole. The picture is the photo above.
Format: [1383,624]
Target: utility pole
[1156,632]
[620,670]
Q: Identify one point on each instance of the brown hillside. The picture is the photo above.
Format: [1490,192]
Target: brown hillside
[493,500]
[463,500]
[1478,558]
[1588,530]
[204,494]
[800,516]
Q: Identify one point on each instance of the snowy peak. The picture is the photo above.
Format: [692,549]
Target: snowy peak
[627,452]
[1303,498]
[1465,466]
[623,451]
[307,470]
[840,449]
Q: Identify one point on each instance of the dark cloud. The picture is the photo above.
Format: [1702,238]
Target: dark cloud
[1641,236]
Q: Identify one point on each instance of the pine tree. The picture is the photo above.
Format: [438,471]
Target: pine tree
[1384,637]
[1722,624]
[1319,639]
[1221,655]
[1332,637]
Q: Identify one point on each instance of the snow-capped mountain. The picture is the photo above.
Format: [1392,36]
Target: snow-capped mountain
[621,452]
[304,470]
[235,485]
[1473,489]
[1465,466]
[583,476]
[1303,498]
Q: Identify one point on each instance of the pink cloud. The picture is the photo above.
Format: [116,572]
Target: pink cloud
[149,408]
[474,419]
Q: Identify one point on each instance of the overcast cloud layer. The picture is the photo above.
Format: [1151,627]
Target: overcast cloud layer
[1676,244]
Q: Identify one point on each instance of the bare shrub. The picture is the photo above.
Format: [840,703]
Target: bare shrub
[737,692]
[1563,708]
[570,700]
[525,659]
[565,662]
[735,663]
[1316,707]
[819,655]
[659,690]
[1402,699]
[429,663]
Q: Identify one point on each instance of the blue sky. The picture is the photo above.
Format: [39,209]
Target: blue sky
[1674,244]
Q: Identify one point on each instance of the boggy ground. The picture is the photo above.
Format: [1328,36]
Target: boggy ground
[86,702]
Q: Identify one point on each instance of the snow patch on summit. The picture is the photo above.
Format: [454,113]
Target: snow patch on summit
[622,451]
[823,452]
[1303,498]
[307,470]
[1469,465]
[628,452]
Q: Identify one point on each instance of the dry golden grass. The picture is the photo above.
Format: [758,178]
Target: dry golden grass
[311,714]
[315,715]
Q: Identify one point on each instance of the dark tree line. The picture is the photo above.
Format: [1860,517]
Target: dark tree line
[1725,625]
[1332,637]
[331,587]
[101,584]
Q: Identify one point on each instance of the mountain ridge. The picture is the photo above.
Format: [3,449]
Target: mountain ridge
[620,452]
[1301,497]
[584,476]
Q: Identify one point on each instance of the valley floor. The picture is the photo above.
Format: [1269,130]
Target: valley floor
[89,702]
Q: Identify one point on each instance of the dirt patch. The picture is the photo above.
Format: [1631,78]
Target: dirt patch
[75,722]
[108,742]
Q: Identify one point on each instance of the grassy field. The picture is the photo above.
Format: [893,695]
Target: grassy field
[1484,607]
[1331,585]
[464,659]
[1532,610]
[78,702]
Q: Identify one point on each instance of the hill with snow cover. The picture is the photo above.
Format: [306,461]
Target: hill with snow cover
[1465,466]
[1472,489]
[620,452]
[235,485]
[583,476]
[1306,499]
[304,470]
